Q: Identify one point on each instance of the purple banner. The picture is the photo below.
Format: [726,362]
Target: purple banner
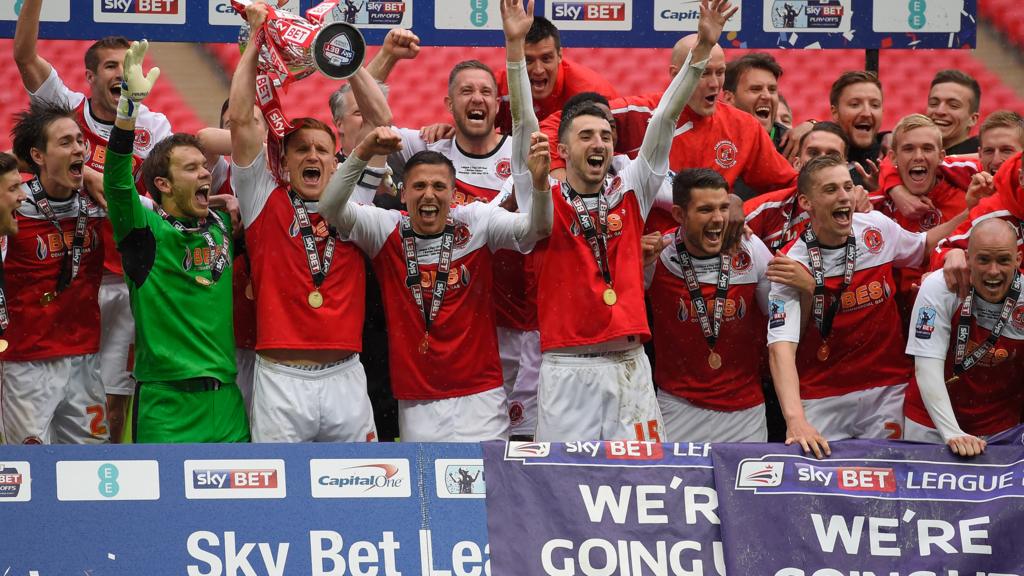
[623,508]
[898,509]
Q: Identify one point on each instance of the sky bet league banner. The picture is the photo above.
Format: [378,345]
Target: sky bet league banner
[599,23]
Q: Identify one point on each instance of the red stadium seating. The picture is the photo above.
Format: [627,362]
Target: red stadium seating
[1006,16]
[66,56]
[418,88]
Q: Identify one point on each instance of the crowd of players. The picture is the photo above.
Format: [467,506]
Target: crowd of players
[524,254]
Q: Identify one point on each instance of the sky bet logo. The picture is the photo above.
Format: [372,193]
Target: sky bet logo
[589,11]
[232,479]
[141,6]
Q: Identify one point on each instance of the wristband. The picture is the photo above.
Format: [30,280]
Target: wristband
[370,178]
[126,108]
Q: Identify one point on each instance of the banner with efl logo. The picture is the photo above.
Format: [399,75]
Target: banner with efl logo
[871,508]
[598,23]
[602,508]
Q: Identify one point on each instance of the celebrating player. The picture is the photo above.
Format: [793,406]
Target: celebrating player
[434,266]
[184,339]
[709,320]
[966,387]
[851,257]
[95,115]
[51,380]
[595,379]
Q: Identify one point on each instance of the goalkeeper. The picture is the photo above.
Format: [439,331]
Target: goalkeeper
[176,266]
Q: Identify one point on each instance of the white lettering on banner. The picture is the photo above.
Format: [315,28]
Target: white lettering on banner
[882,534]
[466,558]
[792,571]
[599,557]
[235,558]
[328,556]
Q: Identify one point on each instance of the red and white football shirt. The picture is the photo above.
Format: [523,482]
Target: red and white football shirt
[280,273]
[70,325]
[989,397]
[682,368]
[776,217]
[866,330]
[463,349]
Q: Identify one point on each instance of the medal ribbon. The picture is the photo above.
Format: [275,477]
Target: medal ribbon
[596,236]
[964,361]
[72,259]
[710,330]
[317,269]
[412,268]
[786,227]
[822,319]
[220,262]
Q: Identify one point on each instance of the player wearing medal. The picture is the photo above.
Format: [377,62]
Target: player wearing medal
[184,341]
[309,384]
[51,388]
[709,320]
[434,265]
[595,380]
[11,197]
[95,115]
[969,352]
[852,257]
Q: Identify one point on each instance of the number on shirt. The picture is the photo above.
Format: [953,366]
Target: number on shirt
[97,426]
[652,431]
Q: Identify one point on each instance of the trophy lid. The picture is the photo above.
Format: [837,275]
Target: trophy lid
[338,50]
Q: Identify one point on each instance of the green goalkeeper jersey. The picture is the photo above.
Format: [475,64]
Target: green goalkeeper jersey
[183,320]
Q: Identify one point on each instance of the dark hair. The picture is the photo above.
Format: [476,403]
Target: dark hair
[753,61]
[158,163]
[543,28]
[223,109]
[32,129]
[582,98]
[469,65]
[92,56]
[430,157]
[688,179]
[8,163]
[308,124]
[817,164]
[584,109]
[849,79]
[962,78]
[831,128]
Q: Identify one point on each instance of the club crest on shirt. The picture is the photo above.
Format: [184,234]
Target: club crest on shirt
[725,154]
[925,324]
[931,219]
[873,240]
[741,262]
[614,185]
[143,138]
[503,169]
[1017,317]
[462,234]
[776,313]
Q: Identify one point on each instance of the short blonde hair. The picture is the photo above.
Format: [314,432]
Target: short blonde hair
[913,122]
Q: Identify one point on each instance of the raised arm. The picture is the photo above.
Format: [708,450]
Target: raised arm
[516,19]
[246,134]
[540,216]
[373,105]
[334,201]
[34,70]
[399,44]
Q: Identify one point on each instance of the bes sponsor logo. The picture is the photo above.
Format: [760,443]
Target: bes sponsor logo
[633,450]
[527,450]
[99,480]
[15,482]
[360,478]
[864,295]
[757,474]
[234,479]
[140,11]
[865,479]
[459,478]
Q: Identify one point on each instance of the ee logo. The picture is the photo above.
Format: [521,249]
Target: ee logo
[917,9]
[478,13]
[108,474]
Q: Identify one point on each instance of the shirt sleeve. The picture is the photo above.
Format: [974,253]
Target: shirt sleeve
[783,314]
[253,185]
[372,227]
[411,143]
[931,320]
[123,205]
[907,248]
[54,90]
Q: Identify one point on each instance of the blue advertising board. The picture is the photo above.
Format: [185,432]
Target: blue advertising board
[598,23]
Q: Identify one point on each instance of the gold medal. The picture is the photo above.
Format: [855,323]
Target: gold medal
[425,344]
[203,281]
[714,360]
[47,298]
[610,298]
[315,299]
[823,352]
[248,292]
[3,345]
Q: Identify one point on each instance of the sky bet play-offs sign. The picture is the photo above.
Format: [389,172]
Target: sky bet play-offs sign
[139,11]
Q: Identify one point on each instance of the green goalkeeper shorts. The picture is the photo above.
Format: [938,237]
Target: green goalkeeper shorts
[199,410]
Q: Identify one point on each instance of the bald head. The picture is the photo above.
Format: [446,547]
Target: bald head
[706,94]
[993,258]
[682,49]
